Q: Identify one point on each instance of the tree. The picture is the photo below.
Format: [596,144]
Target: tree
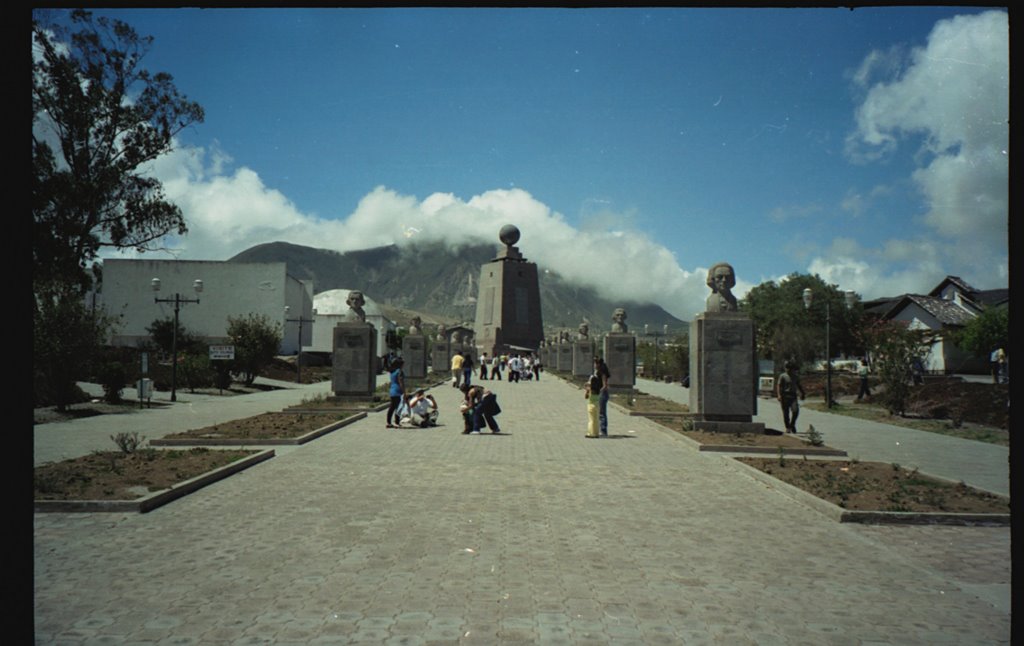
[986,332]
[894,347]
[162,333]
[98,118]
[785,329]
[256,342]
[66,339]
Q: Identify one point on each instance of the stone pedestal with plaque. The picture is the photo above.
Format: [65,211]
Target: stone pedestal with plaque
[441,358]
[582,357]
[620,357]
[723,373]
[414,353]
[564,358]
[354,370]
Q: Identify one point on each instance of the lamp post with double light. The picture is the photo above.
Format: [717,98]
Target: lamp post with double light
[849,297]
[177,300]
[298,352]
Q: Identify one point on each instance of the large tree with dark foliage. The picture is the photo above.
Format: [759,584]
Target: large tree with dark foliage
[98,118]
[786,330]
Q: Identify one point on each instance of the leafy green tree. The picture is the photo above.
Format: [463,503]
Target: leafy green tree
[256,342]
[98,119]
[786,330]
[197,371]
[894,346]
[988,331]
[162,333]
[672,357]
[66,339]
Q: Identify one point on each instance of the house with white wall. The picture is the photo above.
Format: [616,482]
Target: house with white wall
[950,306]
[228,289]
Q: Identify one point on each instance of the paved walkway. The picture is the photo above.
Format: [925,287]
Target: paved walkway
[536,535]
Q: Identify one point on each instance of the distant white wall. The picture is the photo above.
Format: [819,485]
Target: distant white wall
[332,309]
[229,289]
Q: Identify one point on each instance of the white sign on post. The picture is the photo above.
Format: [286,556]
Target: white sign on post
[222,352]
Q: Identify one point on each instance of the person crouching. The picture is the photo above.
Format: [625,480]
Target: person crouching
[479,408]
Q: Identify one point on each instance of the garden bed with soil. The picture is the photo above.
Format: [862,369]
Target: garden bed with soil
[268,428]
[879,487]
[81,484]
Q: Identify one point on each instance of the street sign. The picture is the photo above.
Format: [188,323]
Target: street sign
[222,352]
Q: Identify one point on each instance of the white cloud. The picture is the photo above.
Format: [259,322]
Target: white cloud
[955,93]
[229,212]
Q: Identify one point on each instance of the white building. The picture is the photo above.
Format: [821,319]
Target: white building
[950,306]
[228,289]
[331,308]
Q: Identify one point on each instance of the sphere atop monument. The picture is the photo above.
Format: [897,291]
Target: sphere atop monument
[509,234]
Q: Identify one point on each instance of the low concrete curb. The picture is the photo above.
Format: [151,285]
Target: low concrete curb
[636,413]
[315,411]
[810,450]
[227,441]
[841,515]
[156,499]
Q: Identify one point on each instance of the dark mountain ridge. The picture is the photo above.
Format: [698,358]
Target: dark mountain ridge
[432,278]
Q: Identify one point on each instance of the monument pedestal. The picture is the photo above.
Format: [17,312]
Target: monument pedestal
[582,358]
[620,357]
[564,357]
[354,370]
[414,353]
[440,357]
[723,373]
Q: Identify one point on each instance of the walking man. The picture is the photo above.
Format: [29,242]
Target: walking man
[786,390]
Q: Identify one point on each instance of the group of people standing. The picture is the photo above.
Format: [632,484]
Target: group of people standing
[516,367]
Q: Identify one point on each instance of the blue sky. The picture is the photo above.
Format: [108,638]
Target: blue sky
[634,148]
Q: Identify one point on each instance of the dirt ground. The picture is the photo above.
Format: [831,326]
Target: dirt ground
[265,426]
[945,398]
[770,439]
[875,486]
[114,475]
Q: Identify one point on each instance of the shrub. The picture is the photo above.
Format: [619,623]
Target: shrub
[128,442]
[197,372]
[113,377]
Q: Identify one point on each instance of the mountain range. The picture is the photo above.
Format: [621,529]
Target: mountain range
[439,284]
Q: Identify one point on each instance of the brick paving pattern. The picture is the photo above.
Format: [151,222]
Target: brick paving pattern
[536,536]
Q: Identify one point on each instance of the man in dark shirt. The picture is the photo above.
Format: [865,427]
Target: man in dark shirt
[786,390]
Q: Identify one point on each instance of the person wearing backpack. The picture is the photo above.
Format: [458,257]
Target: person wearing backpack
[600,379]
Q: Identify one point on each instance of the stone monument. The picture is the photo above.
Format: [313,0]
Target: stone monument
[508,315]
[440,354]
[564,359]
[723,361]
[414,351]
[620,354]
[582,352]
[354,369]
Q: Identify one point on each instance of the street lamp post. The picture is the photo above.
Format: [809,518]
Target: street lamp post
[849,298]
[298,353]
[177,300]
